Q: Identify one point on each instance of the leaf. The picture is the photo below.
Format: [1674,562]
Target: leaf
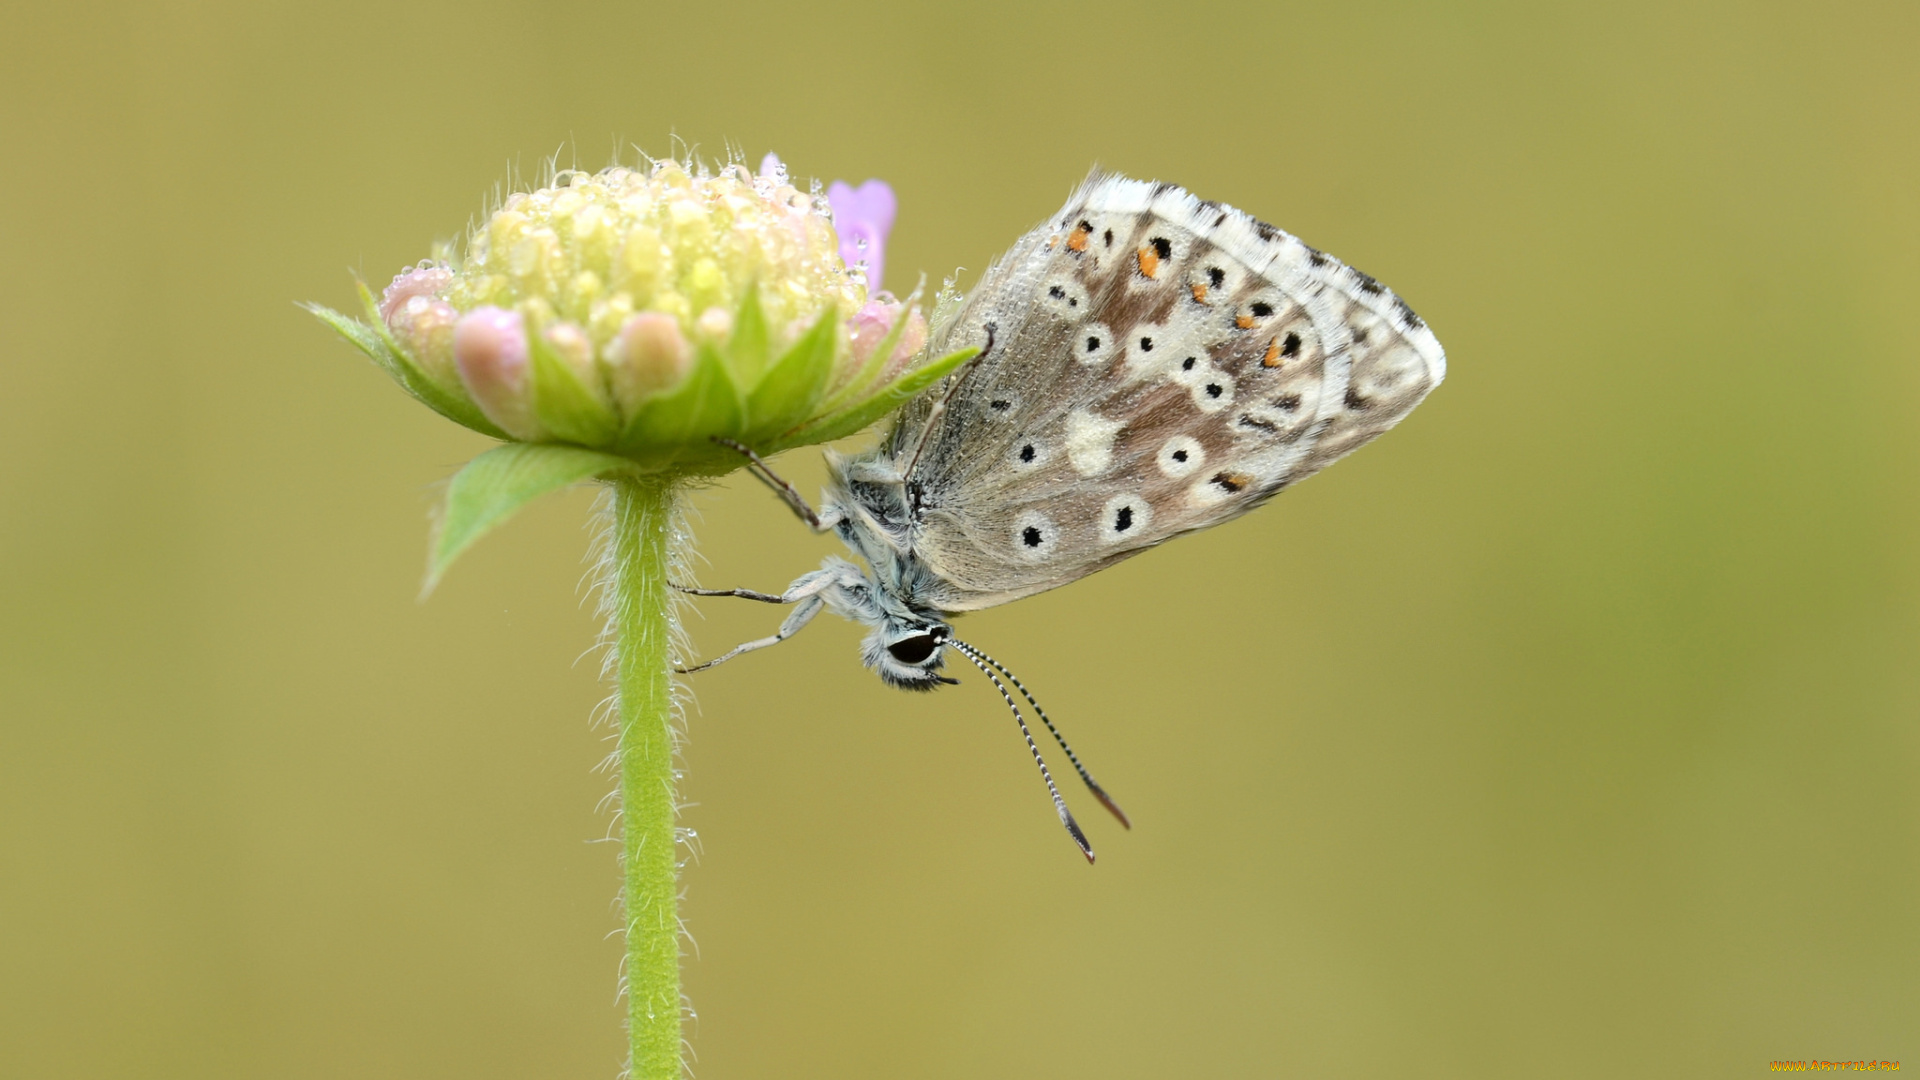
[678,424]
[789,392]
[495,485]
[414,380]
[567,406]
[846,422]
[877,359]
[747,344]
[372,338]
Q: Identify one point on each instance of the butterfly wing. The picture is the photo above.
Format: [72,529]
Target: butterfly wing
[1158,364]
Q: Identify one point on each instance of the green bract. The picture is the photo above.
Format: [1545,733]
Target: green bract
[620,323]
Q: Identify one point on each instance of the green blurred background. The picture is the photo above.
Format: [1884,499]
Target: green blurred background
[1570,730]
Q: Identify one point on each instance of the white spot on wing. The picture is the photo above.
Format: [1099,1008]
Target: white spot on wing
[1033,535]
[1180,456]
[1124,516]
[1090,441]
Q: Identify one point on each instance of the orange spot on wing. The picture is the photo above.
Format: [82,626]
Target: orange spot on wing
[1053,241]
[1077,240]
[1149,262]
[1199,292]
[1244,322]
[1272,359]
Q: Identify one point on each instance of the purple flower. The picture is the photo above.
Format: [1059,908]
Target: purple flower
[862,217]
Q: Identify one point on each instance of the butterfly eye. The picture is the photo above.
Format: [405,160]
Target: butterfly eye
[913,650]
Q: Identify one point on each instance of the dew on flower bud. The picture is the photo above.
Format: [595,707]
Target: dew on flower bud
[648,355]
[422,280]
[423,326]
[871,325]
[490,349]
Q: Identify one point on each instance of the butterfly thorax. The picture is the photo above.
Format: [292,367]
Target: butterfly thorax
[877,517]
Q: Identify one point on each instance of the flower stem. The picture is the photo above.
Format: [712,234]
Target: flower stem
[641,620]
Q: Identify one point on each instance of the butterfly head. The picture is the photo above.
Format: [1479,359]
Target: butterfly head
[908,652]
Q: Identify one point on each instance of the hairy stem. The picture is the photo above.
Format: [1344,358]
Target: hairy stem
[641,621]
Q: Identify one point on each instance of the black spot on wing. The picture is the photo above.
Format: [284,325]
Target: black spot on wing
[1162,247]
[1367,284]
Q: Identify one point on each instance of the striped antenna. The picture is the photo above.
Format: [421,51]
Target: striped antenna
[1059,804]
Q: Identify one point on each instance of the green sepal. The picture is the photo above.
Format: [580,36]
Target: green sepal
[748,343]
[372,337]
[675,428]
[797,381]
[565,405]
[495,485]
[841,424]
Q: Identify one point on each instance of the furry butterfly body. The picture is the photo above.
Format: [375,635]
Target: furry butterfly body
[1151,364]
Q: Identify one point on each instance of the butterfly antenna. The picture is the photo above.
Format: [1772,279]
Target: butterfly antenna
[1060,804]
[1085,776]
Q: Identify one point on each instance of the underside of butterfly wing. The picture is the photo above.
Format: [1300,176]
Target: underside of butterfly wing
[1159,364]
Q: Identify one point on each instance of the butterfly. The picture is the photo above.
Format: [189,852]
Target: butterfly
[1150,363]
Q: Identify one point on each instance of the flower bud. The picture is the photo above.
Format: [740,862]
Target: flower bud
[715,324]
[490,347]
[874,321]
[658,314]
[425,279]
[571,344]
[649,355]
[423,325]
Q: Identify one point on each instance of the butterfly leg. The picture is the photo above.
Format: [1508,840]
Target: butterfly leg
[809,585]
[810,606]
[746,594]
[787,492]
